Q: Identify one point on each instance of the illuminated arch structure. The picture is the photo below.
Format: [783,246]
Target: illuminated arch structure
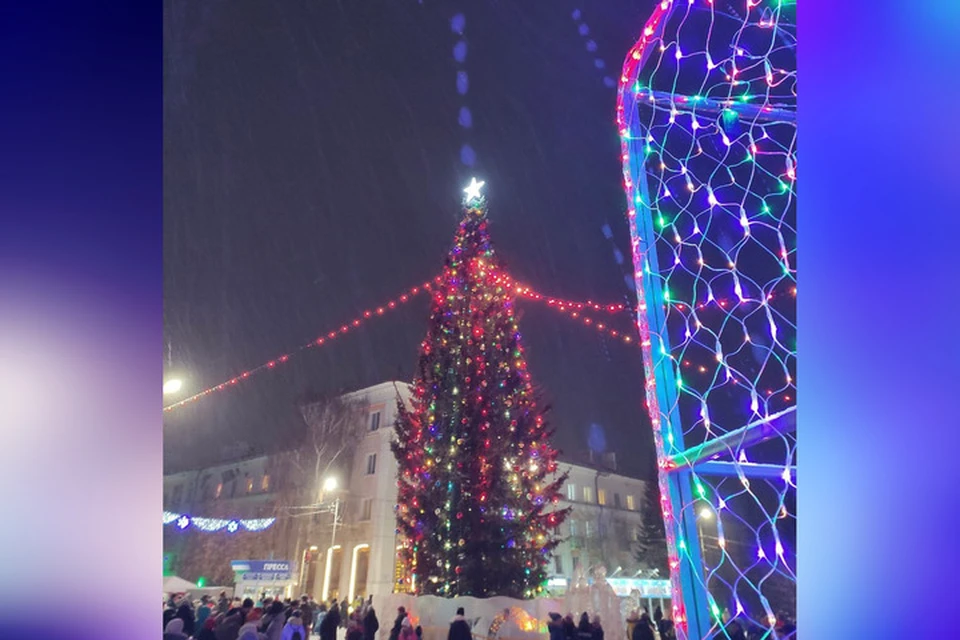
[707,119]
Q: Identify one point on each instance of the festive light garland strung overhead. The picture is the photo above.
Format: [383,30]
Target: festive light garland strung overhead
[318,342]
[706,115]
[565,306]
[183,522]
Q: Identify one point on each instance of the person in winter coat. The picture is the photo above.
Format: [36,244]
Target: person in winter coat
[569,627]
[208,631]
[228,627]
[406,630]
[354,630]
[631,623]
[223,605]
[185,613]
[584,629]
[459,627]
[203,612]
[643,630]
[331,621]
[294,629]
[398,623]
[271,626]
[318,618]
[344,613]
[174,630]
[597,628]
[555,627]
[307,612]
[370,624]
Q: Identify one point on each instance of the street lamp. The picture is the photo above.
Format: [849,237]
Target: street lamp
[329,485]
[171,386]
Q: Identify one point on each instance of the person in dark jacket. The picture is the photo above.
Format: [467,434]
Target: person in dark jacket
[643,630]
[223,605]
[569,627]
[306,612]
[555,627]
[459,627]
[185,613]
[597,628]
[584,629]
[271,626]
[328,628]
[398,623]
[228,628]
[370,624]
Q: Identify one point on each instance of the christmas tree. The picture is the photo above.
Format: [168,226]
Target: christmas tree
[478,480]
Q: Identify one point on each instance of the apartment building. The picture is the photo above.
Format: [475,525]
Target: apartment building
[338,532]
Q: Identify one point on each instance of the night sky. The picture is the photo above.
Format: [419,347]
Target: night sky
[312,169]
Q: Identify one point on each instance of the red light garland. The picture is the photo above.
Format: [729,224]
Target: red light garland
[570,307]
[356,322]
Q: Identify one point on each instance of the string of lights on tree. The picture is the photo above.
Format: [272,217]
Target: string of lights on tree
[705,112]
[477,477]
[183,522]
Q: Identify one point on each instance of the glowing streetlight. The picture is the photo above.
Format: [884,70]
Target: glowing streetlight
[706,513]
[172,386]
[330,484]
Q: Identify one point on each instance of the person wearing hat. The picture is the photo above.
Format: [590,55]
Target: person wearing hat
[459,628]
[294,629]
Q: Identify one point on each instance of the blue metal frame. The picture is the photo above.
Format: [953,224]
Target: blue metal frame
[677,470]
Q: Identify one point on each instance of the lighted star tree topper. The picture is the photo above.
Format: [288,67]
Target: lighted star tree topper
[478,481]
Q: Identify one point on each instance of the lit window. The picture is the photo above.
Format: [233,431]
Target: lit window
[588,528]
[588,494]
[631,504]
[573,527]
[602,496]
[366,509]
[219,490]
[249,485]
[616,500]
[371,464]
[374,421]
[265,482]
[571,491]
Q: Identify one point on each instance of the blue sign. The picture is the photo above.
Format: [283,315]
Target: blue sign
[262,570]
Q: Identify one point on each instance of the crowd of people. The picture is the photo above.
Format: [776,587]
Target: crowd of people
[276,619]
[267,619]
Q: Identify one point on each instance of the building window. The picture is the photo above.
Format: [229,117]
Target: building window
[219,491]
[588,494]
[573,528]
[631,504]
[265,482]
[571,491]
[588,528]
[374,421]
[616,500]
[371,464]
[366,509]
[558,565]
[602,496]
[576,563]
[249,485]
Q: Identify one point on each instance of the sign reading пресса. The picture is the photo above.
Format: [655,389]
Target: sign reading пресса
[262,570]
